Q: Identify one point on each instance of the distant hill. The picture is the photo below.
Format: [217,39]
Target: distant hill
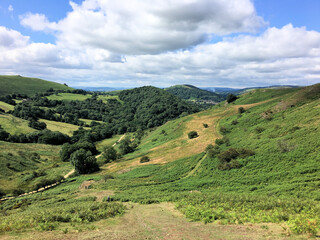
[100,89]
[24,85]
[196,95]
[225,91]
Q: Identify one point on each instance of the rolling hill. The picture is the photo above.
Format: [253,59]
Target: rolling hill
[196,95]
[25,85]
[255,160]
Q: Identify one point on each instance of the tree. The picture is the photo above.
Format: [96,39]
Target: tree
[231,98]
[125,146]
[3,134]
[109,154]
[193,134]
[84,162]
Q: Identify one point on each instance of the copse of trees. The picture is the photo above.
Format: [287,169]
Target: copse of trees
[67,149]
[83,161]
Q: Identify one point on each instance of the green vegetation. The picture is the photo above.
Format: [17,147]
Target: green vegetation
[192,134]
[198,96]
[14,125]
[83,161]
[69,97]
[23,166]
[24,85]
[254,163]
[5,106]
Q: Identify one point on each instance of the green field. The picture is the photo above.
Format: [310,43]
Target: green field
[6,106]
[105,98]
[24,85]
[69,97]
[65,128]
[14,125]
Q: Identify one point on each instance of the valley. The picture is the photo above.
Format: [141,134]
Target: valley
[251,171]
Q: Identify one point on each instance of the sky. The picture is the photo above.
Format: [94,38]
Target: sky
[132,43]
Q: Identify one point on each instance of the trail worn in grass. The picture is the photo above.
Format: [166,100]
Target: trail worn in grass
[161,221]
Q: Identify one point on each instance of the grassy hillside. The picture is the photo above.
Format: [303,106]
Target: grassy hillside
[24,85]
[196,95]
[5,106]
[22,166]
[14,125]
[262,167]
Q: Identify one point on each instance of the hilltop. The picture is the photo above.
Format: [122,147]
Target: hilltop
[24,85]
[196,95]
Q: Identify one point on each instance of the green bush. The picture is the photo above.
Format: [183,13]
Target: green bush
[144,159]
[193,134]
[241,110]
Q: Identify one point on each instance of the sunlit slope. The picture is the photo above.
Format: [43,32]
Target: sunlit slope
[24,85]
[282,135]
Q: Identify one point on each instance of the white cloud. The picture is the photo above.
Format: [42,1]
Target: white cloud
[37,22]
[148,27]
[10,8]
[162,43]
[11,38]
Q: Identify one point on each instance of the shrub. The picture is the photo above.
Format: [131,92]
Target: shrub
[259,129]
[231,98]
[228,158]
[234,122]
[193,134]
[205,125]
[84,162]
[2,193]
[241,110]
[223,130]
[224,140]
[108,176]
[144,159]
[212,151]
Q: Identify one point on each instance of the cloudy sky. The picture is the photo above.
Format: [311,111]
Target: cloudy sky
[128,43]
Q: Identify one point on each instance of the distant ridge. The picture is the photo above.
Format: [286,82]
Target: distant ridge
[196,95]
[24,85]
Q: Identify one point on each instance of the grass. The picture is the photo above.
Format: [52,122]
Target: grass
[22,166]
[69,97]
[24,85]
[65,128]
[14,125]
[105,98]
[6,106]
[278,184]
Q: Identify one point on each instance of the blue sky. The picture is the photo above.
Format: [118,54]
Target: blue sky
[207,43]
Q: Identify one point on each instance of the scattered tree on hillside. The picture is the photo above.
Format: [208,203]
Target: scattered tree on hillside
[231,98]
[109,154]
[126,146]
[84,162]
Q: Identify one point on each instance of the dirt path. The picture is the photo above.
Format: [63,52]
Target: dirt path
[163,221]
